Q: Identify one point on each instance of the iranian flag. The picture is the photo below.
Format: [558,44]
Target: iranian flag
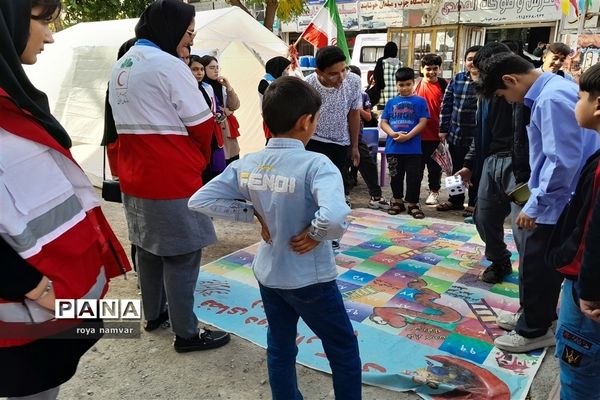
[326,29]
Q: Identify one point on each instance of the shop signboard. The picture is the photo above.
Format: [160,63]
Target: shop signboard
[382,14]
[497,11]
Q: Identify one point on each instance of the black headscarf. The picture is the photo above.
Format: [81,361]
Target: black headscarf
[274,67]
[164,23]
[216,85]
[15,17]
[110,130]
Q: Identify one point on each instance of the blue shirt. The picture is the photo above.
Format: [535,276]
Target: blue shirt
[291,188]
[403,113]
[558,146]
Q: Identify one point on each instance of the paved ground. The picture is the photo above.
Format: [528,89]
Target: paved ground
[149,368]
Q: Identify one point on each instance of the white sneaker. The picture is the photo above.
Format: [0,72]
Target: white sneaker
[432,199]
[515,343]
[379,203]
[508,321]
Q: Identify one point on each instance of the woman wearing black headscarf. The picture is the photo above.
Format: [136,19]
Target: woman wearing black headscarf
[54,240]
[385,72]
[274,68]
[165,128]
[226,102]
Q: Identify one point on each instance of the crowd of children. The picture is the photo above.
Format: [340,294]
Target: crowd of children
[506,123]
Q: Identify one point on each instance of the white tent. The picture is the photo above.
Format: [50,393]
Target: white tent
[74,72]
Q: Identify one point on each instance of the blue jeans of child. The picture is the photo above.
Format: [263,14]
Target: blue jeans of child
[321,307]
[578,349]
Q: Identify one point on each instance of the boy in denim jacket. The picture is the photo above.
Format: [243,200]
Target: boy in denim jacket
[298,197]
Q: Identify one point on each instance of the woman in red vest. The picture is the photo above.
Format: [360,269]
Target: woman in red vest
[54,240]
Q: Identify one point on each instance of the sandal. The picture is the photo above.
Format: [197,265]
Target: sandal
[396,208]
[468,211]
[416,212]
[447,206]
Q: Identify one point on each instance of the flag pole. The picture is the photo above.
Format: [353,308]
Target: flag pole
[581,22]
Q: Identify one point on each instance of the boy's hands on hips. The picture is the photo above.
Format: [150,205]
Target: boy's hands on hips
[303,243]
[264,229]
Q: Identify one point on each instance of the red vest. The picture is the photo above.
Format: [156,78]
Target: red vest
[79,254]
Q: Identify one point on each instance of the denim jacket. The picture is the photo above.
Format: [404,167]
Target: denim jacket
[292,189]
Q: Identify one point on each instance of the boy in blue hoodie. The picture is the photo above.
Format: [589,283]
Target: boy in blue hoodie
[298,197]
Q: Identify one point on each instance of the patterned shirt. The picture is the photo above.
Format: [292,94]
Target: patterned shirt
[332,126]
[459,107]
[390,66]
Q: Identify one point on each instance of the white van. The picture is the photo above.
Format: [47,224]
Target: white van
[368,47]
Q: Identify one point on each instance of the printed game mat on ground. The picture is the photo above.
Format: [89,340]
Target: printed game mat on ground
[423,319]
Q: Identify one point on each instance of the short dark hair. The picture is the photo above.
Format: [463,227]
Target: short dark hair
[205,60]
[49,9]
[516,46]
[494,68]
[195,58]
[328,56]
[405,74]
[472,49]
[431,59]
[287,99]
[488,50]
[590,81]
[558,48]
[355,69]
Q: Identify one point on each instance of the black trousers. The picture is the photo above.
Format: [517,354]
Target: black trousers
[434,171]
[539,283]
[410,165]
[367,168]
[336,153]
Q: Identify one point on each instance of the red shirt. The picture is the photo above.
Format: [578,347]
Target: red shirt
[432,92]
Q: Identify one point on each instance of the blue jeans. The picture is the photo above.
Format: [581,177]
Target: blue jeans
[578,350]
[322,309]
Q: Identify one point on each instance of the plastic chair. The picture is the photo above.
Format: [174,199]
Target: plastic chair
[304,61]
[370,137]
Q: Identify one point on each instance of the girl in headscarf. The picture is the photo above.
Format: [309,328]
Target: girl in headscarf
[226,102]
[217,158]
[55,242]
[384,73]
[165,128]
[274,68]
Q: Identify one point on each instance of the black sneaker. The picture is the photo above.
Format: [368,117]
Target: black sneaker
[496,272]
[335,244]
[162,320]
[205,340]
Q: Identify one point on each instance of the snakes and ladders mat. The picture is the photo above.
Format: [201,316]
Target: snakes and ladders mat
[423,319]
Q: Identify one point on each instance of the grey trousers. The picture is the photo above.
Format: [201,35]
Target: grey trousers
[179,275]
[50,394]
[493,205]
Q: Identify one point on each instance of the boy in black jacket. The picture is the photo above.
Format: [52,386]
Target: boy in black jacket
[575,251]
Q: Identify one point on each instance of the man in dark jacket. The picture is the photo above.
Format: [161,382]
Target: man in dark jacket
[492,158]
